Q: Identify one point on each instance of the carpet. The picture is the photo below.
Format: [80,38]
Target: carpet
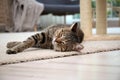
[33,54]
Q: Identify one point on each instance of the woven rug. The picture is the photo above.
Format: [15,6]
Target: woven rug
[33,54]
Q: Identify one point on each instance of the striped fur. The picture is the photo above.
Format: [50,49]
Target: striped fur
[57,37]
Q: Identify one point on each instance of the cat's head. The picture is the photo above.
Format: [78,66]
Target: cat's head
[67,38]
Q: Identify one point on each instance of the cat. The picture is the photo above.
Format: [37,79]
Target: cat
[58,37]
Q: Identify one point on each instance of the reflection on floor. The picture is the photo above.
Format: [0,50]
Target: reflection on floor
[99,66]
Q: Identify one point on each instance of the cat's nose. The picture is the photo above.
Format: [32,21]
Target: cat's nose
[58,40]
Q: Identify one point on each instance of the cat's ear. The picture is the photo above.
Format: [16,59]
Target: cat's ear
[74,27]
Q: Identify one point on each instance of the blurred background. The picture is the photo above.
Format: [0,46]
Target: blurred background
[60,12]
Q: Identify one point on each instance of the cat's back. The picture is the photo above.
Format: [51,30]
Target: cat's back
[51,29]
[57,26]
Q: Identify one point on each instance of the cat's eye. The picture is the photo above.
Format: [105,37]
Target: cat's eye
[63,42]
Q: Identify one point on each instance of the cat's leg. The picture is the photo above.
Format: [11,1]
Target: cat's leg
[31,41]
[20,47]
[12,44]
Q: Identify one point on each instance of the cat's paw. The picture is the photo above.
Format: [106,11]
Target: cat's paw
[78,47]
[10,52]
[12,44]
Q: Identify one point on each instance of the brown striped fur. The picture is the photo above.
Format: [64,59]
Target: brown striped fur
[57,37]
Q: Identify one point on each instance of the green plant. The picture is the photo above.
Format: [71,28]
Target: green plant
[116,3]
[93,4]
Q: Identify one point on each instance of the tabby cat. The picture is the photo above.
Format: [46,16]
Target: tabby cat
[58,37]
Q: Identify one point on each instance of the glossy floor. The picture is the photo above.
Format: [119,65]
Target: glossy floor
[99,66]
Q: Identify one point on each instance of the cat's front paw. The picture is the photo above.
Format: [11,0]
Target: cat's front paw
[10,52]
